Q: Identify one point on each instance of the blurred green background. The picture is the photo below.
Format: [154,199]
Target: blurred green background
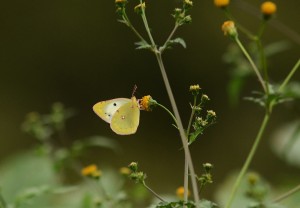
[75,52]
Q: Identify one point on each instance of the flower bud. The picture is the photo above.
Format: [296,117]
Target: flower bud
[229,29]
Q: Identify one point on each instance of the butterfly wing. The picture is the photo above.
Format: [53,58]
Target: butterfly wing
[107,109]
[126,119]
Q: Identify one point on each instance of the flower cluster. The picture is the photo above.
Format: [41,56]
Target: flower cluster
[137,176]
[200,124]
[120,5]
[180,15]
[206,177]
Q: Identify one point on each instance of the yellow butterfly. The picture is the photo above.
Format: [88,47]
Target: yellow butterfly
[123,114]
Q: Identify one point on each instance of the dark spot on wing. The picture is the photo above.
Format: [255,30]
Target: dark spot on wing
[115,104]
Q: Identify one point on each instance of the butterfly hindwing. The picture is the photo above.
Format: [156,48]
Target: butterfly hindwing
[107,109]
[126,119]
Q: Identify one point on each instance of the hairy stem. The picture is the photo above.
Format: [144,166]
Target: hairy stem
[248,160]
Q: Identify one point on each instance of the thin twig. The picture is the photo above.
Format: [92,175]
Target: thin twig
[287,194]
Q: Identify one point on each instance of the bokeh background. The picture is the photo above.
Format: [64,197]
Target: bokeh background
[75,52]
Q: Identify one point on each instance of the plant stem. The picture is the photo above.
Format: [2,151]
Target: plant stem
[147,26]
[128,23]
[263,56]
[248,160]
[169,38]
[180,127]
[169,112]
[251,63]
[287,79]
[239,26]
[186,165]
[287,194]
[153,192]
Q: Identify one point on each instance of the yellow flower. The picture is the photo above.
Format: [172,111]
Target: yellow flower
[221,3]
[195,87]
[146,103]
[125,171]
[180,192]
[91,171]
[229,29]
[268,8]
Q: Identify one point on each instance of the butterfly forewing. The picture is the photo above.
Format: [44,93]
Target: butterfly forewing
[126,119]
[107,109]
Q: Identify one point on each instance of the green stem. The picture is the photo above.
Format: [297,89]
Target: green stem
[287,79]
[169,112]
[263,56]
[186,165]
[248,160]
[169,38]
[252,64]
[147,26]
[153,192]
[128,23]
[287,194]
[180,127]
[238,25]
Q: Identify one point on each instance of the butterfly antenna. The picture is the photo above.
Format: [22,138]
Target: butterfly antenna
[134,90]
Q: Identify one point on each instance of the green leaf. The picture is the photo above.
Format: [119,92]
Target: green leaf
[193,136]
[143,45]
[176,41]
[207,204]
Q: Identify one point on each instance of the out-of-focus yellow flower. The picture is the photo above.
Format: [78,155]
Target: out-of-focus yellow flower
[180,192]
[125,171]
[91,171]
[268,8]
[229,29]
[221,3]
